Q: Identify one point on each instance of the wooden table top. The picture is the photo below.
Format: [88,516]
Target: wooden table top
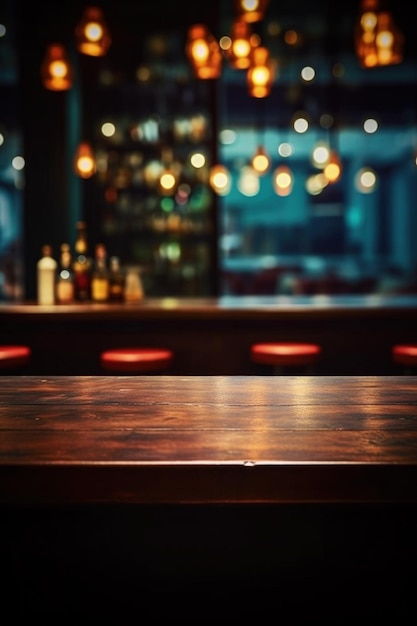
[74,439]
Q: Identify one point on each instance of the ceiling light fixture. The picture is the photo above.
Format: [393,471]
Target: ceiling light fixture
[251,10]
[203,52]
[56,70]
[84,161]
[242,49]
[378,41]
[260,76]
[92,33]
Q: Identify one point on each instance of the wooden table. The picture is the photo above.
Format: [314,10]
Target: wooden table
[208,439]
[235,494]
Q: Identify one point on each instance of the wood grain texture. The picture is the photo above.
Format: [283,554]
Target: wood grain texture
[208,439]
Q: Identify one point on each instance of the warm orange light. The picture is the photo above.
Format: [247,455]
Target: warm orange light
[378,41]
[333,168]
[283,180]
[84,161]
[204,52]
[388,40]
[251,10]
[168,182]
[239,53]
[220,180]
[92,33]
[260,76]
[170,173]
[260,161]
[56,71]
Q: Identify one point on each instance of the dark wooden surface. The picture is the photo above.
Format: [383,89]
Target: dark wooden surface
[208,439]
[213,336]
[232,498]
[258,307]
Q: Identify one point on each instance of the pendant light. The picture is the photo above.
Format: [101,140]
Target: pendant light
[333,168]
[251,10]
[84,161]
[283,180]
[92,33]
[239,52]
[203,52]
[378,41]
[260,161]
[56,70]
[260,75]
[220,179]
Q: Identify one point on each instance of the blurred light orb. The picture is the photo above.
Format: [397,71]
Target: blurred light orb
[370,126]
[365,180]
[308,73]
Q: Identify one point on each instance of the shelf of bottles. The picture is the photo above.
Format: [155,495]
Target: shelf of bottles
[143,130]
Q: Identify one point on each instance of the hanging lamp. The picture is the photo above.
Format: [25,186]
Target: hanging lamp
[260,75]
[220,180]
[378,41]
[333,168]
[260,161]
[239,52]
[84,161]
[92,33]
[56,70]
[203,52]
[283,180]
[251,10]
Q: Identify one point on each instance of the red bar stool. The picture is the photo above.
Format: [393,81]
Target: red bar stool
[286,356]
[136,360]
[14,357]
[405,354]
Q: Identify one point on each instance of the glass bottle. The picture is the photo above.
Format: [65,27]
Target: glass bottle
[46,273]
[116,280]
[65,277]
[82,264]
[133,285]
[100,282]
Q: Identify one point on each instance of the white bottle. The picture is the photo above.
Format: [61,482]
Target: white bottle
[46,275]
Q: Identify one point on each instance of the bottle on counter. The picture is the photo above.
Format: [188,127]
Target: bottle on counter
[133,291]
[81,265]
[116,280]
[100,283]
[64,288]
[46,274]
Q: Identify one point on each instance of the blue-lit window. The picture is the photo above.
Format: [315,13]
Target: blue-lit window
[11,163]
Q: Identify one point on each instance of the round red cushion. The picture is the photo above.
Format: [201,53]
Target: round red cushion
[14,356]
[405,354]
[285,353]
[136,359]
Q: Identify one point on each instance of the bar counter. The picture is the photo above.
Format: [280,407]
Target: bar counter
[208,439]
[231,496]
[213,336]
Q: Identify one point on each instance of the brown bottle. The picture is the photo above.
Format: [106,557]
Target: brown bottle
[116,280]
[64,287]
[81,265]
[100,283]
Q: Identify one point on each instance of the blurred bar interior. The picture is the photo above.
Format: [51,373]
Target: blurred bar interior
[340,96]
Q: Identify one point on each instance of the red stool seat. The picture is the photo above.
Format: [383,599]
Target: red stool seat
[405,354]
[14,356]
[285,354]
[136,360]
